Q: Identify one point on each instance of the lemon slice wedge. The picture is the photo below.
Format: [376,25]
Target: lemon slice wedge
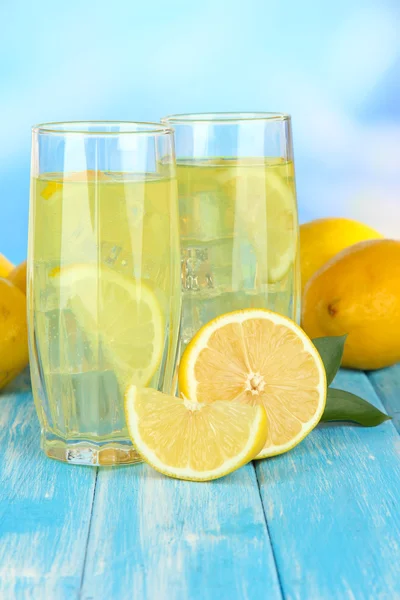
[118,313]
[258,357]
[189,440]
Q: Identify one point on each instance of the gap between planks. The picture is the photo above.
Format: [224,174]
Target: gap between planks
[269,535]
[88,532]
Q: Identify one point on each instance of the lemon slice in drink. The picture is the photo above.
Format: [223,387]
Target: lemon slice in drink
[258,357]
[281,228]
[189,440]
[269,214]
[121,318]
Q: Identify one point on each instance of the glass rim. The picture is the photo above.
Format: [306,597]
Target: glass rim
[78,128]
[225,117]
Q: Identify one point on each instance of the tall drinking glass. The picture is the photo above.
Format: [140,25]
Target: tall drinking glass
[238,215]
[103,280]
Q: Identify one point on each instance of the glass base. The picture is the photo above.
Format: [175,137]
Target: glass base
[88,453]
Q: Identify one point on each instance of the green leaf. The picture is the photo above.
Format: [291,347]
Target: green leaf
[344,406]
[331,351]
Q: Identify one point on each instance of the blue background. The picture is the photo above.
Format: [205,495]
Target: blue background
[334,66]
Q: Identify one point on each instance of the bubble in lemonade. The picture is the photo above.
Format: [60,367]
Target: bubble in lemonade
[104,297]
[239,241]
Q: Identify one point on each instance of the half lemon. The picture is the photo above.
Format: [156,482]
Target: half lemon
[257,357]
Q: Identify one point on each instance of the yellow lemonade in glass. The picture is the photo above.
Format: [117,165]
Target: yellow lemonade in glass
[104,303]
[239,238]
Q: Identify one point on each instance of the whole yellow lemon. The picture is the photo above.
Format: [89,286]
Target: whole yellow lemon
[5,266]
[321,239]
[13,332]
[18,276]
[358,292]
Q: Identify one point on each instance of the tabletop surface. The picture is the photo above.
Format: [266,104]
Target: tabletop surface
[320,522]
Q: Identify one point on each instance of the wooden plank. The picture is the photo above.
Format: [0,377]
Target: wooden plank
[333,509]
[155,538]
[386,383]
[45,509]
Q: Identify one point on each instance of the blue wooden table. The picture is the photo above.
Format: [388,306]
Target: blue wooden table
[321,522]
